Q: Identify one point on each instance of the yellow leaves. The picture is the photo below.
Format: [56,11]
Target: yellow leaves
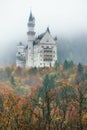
[9,128]
[84,117]
[57,118]
[64,82]
[71,77]
[40,101]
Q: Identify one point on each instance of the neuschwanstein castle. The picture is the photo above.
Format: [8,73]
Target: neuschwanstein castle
[41,51]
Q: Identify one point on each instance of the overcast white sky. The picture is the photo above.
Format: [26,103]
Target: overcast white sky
[62,16]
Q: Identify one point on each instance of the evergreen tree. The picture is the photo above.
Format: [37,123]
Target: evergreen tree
[68,64]
[56,65]
[12,80]
[80,68]
[65,65]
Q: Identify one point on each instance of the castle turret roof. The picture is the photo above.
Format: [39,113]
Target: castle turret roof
[48,30]
[20,44]
[55,38]
[31,18]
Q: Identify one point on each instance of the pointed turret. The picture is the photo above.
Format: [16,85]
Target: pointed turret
[48,30]
[31,25]
[31,18]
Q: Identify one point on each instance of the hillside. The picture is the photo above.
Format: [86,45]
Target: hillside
[44,98]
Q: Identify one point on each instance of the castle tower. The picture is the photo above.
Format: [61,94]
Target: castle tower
[31,38]
[20,55]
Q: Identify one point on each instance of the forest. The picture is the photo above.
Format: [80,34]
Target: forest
[52,98]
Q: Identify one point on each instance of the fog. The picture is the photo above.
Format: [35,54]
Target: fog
[66,18]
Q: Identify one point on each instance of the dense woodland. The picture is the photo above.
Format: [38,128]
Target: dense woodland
[44,98]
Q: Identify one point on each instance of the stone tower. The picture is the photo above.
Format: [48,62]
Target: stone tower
[31,38]
[20,55]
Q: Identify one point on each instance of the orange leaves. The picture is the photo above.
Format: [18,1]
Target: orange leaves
[84,118]
[32,111]
[12,111]
[34,90]
[5,88]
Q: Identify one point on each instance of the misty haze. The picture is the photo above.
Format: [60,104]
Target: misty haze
[66,19]
[43,64]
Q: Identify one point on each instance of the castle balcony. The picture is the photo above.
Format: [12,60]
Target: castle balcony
[30,24]
[30,33]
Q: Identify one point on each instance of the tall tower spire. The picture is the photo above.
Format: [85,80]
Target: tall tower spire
[31,38]
[31,17]
[31,25]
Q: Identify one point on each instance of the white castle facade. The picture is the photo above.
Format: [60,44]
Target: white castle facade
[41,51]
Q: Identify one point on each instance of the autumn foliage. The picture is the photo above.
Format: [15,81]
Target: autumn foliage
[43,98]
